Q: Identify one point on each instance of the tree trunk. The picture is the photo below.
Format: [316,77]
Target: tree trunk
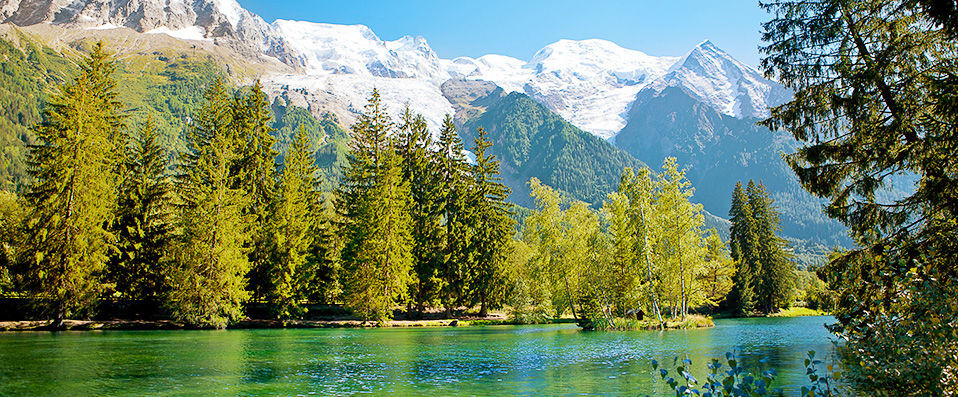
[648,263]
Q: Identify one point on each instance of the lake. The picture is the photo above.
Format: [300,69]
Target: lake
[494,360]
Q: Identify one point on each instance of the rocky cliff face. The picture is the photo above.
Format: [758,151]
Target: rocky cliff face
[223,22]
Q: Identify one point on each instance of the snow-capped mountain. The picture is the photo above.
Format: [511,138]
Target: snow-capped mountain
[730,87]
[591,83]
[224,22]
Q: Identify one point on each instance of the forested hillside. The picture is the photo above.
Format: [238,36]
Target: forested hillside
[532,141]
[167,85]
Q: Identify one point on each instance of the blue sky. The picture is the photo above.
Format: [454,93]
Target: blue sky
[519,28]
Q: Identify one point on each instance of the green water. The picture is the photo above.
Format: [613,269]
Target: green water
[500,360]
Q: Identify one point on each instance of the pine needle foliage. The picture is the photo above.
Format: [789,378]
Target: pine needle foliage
[875,99]
[75,171]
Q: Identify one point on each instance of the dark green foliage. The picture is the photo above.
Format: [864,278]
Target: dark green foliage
[374,202]
[294,214]
[453,173]
[210,259]
[875,101]
[492,225]
[742,242]
[73,193]
[765,276]
[253,172]
[421,171]
[143,219]
[532,141]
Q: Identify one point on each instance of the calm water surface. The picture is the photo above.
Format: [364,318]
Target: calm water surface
[500,360]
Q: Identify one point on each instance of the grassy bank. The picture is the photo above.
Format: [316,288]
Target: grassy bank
[799,312]
[626,324]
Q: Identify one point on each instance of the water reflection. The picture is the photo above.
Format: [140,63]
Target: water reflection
[439,361]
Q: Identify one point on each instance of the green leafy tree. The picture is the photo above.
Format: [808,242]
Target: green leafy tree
[875,95]
[638,188]
[72,197]
[716,278]
[493,225]
[211,261]
[680,244]
[374,200]
[294,214]
[143,218]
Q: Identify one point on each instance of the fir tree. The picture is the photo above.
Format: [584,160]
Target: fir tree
[454,187]
[374,200]
[875,99]
[143,218]
[742,240]
[211,261]
[292,222]
[254,171]
[493,225]
[420,170]
[775,279]
[75,178]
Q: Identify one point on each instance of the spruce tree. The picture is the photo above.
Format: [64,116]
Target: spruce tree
[254,171]
[420,170]
[210,255]
[73,195]
[453,175]
[293,217]
[374,202]
[876,98]
[742,241]
[491,219]
[143,218]
[775,279]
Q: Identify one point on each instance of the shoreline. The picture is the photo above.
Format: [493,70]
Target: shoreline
[169,325]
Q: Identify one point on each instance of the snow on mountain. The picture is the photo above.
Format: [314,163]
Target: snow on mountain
[591,83]
[346,62]
[224,22]
[712,76]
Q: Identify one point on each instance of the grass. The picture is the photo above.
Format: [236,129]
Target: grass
[626,324]
[799,312]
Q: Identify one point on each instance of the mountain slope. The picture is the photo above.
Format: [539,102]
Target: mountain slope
[532,141]
[166,83]
[223,22]
[719,150]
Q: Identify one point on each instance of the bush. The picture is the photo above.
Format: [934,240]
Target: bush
[740,381]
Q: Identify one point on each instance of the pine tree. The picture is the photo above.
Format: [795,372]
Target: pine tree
[775,280]
[211,261]
[493,225]
[254,171]
[293,217]
[457,237]
[875,99]
[143,218]
[374,201]
[75,174]
[420,171]
[742,240]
